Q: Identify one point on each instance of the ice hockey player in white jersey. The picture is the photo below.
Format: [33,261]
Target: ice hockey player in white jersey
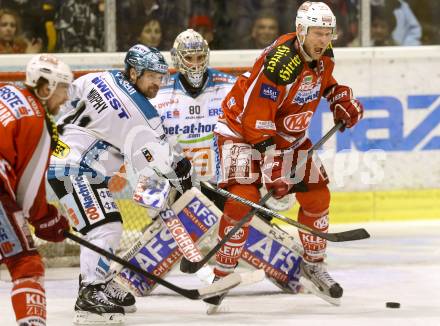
[109,121]
[190,102]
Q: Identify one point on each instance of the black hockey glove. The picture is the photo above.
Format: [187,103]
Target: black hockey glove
[181,177]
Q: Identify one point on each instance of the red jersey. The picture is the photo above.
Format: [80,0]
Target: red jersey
[27,136]
[278,97]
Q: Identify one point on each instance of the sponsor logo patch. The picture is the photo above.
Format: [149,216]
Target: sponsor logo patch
[298,122]
[87,199]
[269,92]
[263,124]
[148,156]
[61,150]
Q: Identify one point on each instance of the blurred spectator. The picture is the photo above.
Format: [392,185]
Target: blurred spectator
[427,12]
[172,15]
[245,12]
[383,23]
[408,30]
[77,26]
[151,33]
[37,21]
[347,20]
[204,26]
[264,31]
[11,38]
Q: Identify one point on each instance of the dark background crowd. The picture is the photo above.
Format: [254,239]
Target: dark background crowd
[30,26]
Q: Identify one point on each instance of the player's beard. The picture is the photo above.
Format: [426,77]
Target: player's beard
[151,91]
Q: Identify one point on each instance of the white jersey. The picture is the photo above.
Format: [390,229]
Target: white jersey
[106,122]
[189,121]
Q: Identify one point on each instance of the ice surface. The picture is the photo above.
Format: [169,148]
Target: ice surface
[401,262]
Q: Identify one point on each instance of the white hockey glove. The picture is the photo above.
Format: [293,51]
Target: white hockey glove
[279,205]
[152,193]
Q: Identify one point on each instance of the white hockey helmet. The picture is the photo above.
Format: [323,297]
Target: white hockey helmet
[315,14]
[186,43]
[50,68]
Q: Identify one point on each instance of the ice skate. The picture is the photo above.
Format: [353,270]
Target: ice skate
[93,308]
[117,295]
[214,302]
[316,279]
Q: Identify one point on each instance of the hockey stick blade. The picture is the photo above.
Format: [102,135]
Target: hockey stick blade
[216,288]
[350,235]
[192,267]
[231,281]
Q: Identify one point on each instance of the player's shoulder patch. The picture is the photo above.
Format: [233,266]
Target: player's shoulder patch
[283,64]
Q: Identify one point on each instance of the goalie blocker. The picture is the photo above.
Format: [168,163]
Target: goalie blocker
[272,250]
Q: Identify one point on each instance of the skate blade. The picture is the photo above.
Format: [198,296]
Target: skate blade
[309,286]
[88,318]
[212,309]
[129,309]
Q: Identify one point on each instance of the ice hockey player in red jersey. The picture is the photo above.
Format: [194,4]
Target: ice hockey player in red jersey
[28,136]
[262,133]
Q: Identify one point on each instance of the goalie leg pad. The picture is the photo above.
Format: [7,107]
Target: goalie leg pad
[276,252]
[157,252]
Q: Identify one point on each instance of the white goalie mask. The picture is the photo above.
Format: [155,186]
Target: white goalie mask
[190,55]
[314,14]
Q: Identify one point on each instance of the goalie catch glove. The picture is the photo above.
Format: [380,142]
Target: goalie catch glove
[181,175]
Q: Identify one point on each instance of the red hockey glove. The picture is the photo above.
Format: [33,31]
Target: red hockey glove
[274,177]
[344,107]
[51,227]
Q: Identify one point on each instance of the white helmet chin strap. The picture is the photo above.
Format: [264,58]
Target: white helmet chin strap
[44,98]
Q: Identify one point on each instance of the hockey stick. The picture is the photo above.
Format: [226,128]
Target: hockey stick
[187,266]
[351,235]
[193,294]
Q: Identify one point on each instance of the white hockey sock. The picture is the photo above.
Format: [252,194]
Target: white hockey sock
[94,267]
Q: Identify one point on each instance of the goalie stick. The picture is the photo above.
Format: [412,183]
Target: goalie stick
[214,289]
[187,266]
[350,235]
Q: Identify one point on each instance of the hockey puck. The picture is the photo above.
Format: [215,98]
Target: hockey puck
[392,305]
